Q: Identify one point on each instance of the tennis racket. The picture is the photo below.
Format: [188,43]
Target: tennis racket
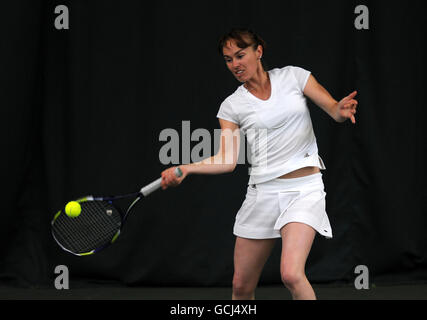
[99,223]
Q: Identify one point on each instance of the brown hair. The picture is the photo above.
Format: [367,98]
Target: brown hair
[243,38]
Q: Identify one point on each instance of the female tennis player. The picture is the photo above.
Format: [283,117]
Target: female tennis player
[285,196]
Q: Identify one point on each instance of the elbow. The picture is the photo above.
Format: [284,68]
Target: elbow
[228,160]
[231,167]
[228,168]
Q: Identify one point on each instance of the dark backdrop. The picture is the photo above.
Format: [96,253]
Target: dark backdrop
[82,110]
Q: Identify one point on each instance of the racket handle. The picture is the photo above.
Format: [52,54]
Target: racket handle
[153,186]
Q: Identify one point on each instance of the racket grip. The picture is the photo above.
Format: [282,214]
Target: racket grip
[153,186]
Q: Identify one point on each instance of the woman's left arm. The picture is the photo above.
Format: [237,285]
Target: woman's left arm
[340,111]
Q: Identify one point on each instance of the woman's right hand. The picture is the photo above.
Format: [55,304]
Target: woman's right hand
[169,178]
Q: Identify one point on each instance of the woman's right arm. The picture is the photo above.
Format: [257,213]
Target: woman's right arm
[226,158]
[223,161]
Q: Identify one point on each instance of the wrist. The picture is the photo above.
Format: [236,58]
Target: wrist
[336,113]
[186,169]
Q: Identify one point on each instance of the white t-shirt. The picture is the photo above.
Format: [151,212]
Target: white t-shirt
[278,130]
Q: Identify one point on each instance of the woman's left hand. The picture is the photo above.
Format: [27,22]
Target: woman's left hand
[347,107]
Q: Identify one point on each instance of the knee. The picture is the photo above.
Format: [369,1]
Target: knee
[242,289]
[292,278]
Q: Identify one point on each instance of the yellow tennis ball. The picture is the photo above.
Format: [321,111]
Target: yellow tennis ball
[73,209]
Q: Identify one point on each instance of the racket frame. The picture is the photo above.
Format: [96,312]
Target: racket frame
[145,191]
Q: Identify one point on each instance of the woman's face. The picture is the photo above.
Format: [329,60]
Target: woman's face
[243,63]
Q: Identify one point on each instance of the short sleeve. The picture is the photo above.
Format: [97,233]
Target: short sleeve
[226,112]
[301,76]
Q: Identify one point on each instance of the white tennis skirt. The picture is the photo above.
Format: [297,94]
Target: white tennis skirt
[270,205]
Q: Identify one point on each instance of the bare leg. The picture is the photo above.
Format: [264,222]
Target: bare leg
[250,256]
[297,239]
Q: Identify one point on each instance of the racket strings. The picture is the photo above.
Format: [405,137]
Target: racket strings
[95,227]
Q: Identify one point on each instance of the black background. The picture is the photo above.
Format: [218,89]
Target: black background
[82,110]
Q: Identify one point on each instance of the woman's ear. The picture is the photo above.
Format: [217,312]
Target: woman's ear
[259,52]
